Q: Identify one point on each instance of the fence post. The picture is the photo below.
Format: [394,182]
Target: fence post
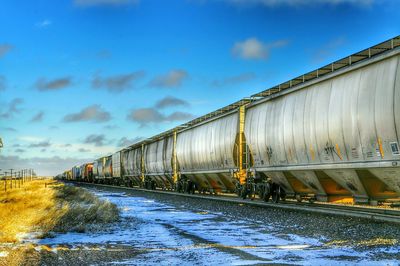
[5,180]
[11,177]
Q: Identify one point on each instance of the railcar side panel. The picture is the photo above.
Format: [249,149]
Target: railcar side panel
[384,109]
[335,120]
[322,116]
[116,165]
[298,128]
[288,124]
[107,167]
[201,159]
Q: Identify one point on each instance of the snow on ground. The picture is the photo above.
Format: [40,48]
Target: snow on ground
[170,235]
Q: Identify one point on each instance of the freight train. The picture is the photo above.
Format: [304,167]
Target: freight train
[329,135]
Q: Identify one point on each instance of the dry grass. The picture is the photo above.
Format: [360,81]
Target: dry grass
[84,210]
[26,209]
[57,208]
[35,208]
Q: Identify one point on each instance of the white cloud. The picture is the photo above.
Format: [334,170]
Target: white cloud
[5,48]
[125,142]
[92,113]
[44,23]
[38,117]
[41,144]
[145,116]
[12,109]
[56,84]
[170,101]
[254,49]
[173,78]
[30,138]
[117,83]
[96,139]
[250,49]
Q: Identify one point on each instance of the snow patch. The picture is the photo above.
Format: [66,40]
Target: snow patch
[3,254]
[167,235]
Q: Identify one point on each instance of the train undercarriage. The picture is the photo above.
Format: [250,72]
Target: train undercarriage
[255,186]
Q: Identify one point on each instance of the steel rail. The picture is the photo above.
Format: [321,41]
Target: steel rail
[370,213]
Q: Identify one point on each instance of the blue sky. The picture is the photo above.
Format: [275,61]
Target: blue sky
[82,78]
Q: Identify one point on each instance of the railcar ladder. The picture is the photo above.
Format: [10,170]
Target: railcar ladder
[174,160]
[243,151]
[142,165]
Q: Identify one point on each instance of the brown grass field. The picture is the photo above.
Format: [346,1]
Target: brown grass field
[41,207]
[29,208]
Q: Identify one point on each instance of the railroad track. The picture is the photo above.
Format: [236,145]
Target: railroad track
[370,213]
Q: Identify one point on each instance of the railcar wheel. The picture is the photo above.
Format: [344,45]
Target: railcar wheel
[276,194]
[251,195]
[239,189]
[283,195]
[299,198]
[251,191]
[267,192]
[189,186]
[238,192]
[266,197]
[244,192]
[195,187]
[261,190]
